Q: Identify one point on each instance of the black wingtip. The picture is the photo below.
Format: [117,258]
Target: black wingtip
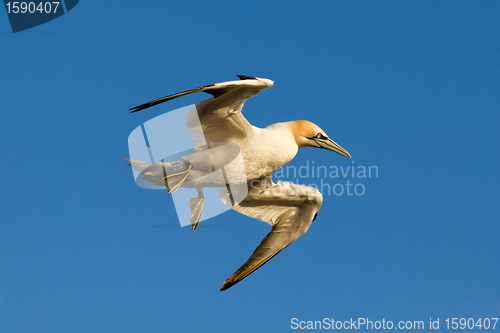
[138,108]
[226,285]
[246,77]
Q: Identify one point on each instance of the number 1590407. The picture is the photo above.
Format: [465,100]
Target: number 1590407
[31,7]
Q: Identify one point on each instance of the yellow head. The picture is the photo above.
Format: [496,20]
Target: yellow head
[308,134]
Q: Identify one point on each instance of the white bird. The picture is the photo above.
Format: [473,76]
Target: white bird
[287,207]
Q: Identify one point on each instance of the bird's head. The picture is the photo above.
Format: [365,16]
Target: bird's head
[308,134]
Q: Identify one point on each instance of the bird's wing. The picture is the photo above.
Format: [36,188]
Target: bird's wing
[220,117]
[215,89]
[289,208]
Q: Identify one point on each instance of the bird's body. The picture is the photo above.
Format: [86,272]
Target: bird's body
[218,127]
[222,121]
[259,151]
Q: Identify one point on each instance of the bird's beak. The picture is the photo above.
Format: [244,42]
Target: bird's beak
[333,146]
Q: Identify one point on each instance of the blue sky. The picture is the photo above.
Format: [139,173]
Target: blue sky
[410,87]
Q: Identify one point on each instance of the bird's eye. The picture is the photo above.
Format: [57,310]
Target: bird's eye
[319,136]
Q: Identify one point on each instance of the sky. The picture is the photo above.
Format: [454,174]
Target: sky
[409,87]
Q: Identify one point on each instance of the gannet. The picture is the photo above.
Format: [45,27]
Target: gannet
[289,208]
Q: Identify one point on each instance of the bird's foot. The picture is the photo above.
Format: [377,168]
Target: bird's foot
[196,204]
[175,180]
